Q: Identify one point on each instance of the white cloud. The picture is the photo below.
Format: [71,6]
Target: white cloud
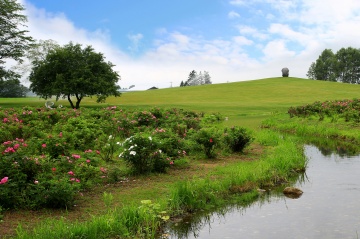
[135,41]
[293,35]
[233,14]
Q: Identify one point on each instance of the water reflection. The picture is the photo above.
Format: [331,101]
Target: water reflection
[329,207]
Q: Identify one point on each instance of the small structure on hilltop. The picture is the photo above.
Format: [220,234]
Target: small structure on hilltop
[153,88]
[285,72]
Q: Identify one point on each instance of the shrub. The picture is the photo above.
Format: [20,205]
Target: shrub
[143,155]
[207,138]
[237,138]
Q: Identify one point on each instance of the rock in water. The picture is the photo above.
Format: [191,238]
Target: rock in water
[292,192]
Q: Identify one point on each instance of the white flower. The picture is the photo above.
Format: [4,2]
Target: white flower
[110,137]
[120,155]
[132,146]
[160,151]
[118,143]
[132,153]
[150,138]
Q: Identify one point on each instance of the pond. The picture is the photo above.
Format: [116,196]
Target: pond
[328,208]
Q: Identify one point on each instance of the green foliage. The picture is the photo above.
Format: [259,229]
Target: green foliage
[335,109]
[143,154]
[237,138]
[12,89]
[208,138]
[13,39]
[74,71]
[344,66]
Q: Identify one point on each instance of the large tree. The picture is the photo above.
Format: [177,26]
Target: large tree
[73,71]
[348,65]
[13,39]
[324,68]
[12,88]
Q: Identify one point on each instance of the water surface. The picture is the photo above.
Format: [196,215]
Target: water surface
[328,208]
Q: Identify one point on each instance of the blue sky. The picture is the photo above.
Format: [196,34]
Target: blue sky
[159,42]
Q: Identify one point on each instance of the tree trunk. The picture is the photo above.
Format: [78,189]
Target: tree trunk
[78,101]
[71,103]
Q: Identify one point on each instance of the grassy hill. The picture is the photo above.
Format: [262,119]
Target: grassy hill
[245,103]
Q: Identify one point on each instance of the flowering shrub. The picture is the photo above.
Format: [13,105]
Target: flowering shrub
[237,138]
[141,152]
[349,110]
[48,156]
[208,138]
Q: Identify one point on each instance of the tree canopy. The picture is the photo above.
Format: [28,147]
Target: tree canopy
[197,79]
[343,66]
[73,71]
[13,40]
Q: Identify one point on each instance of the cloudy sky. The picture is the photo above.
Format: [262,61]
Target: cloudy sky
[158,42]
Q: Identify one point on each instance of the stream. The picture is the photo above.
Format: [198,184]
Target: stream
[328,208]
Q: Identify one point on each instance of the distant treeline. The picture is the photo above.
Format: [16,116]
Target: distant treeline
[342,66]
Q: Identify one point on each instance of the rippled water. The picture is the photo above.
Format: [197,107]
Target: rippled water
[328,208]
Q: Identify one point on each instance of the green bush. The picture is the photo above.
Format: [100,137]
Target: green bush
[141,152]
[208,138]
[237,138]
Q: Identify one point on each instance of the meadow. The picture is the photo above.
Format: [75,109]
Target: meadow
[198,180]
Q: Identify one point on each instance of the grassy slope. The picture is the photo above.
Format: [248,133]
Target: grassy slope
[246,103]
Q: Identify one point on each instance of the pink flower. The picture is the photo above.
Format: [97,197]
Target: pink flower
[53,169]
[71,173]
[88,160]
[16,146]
[77,180]
[43,145]
[76,156]
[10,150]
[103,170]
[88,151]
[5,120]
[72,179]
[7,143]
[36,181]
[97,151]
[4,180]
[60,135]
[211,140]
[172,162]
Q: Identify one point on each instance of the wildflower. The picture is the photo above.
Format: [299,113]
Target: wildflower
[71,173]
[132,153]
[120,155]
[211,140]
[110,137]
[60,135]
[43,145]
[88,151]
[172,162]
[88,160]
[36,181]
[77,180]
[103,170]
[53,169]
[4,180]
[150,138]
[10,150]
[16,146]
[76,156]
[5,120]
[97,151]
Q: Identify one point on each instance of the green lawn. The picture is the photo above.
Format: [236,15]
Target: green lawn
[245,103]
